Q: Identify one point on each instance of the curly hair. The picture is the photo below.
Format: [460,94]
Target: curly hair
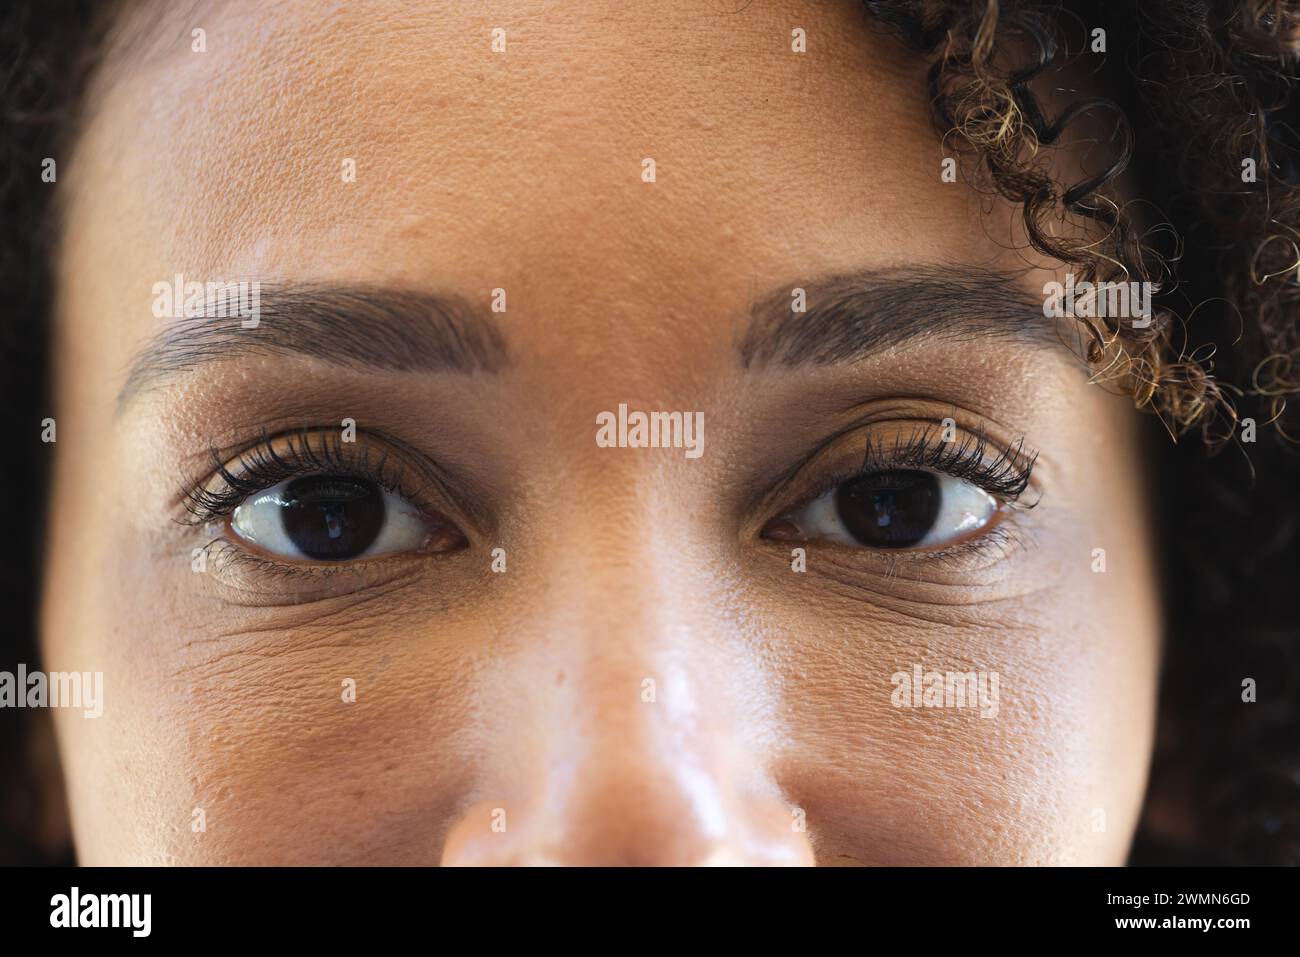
[1199,99]
[1208,88]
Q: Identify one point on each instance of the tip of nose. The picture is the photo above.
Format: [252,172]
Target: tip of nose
[614,840]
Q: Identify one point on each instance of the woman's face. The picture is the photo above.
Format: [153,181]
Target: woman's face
[376,581]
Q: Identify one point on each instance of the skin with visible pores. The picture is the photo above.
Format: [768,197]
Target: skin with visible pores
[520,698]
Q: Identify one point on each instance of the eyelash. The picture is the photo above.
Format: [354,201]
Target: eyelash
[274,459]
[1005,476]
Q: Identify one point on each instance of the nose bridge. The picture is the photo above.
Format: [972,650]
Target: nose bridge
[639,751]
[627,590]
[646,736]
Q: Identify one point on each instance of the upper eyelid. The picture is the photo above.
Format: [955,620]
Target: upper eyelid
[781,500]
[462,508]
[299,456]
[204,466]
[1005,477]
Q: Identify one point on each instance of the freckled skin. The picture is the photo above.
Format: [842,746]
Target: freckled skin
[768,734]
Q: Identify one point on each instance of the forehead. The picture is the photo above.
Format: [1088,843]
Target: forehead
[233,159]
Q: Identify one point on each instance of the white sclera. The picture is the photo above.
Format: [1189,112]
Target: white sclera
[963,508]
[258,520]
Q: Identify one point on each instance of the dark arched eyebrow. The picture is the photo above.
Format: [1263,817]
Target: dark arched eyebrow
[848,318]
[354,327]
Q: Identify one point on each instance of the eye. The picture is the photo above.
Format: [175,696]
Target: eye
[893,508]
[329,518]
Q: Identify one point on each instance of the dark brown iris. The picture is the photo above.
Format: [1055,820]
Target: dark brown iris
[330,518]
[891,509]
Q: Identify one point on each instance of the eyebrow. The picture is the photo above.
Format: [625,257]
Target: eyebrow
[355,327]
[848,318]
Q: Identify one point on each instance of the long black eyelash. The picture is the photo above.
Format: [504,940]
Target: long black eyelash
[1005,476]
[302,452]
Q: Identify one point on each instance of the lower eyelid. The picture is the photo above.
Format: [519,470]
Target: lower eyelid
[243,577]
[996,542]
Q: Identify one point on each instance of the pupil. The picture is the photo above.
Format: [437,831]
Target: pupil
[330,518]
[892,509]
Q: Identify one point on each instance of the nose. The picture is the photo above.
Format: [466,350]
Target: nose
[633,803]
[642,738]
